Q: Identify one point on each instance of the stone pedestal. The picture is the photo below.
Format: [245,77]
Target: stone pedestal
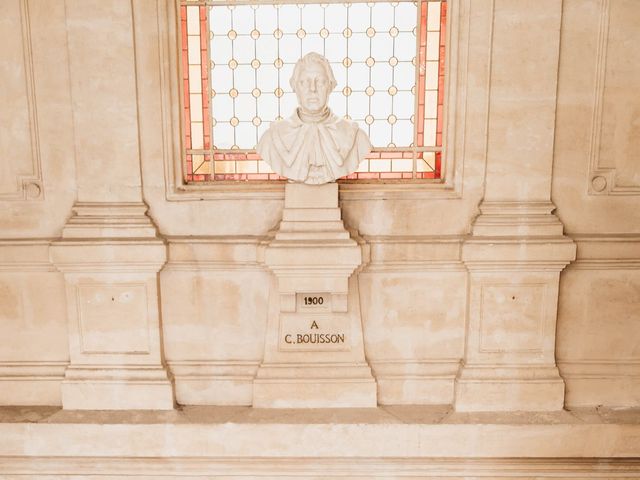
[514,259]
[314,352]
[110,257]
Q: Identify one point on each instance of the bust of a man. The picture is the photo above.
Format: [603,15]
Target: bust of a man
[313,145]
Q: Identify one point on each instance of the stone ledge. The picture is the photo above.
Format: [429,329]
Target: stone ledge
[408,432]
[51,468]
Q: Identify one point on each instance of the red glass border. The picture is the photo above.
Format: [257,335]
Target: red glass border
[375,154]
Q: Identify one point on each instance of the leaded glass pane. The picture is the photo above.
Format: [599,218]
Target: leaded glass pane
[387,57]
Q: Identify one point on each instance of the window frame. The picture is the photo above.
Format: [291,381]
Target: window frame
[177,189]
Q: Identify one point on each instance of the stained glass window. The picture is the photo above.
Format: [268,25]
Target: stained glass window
[387,57]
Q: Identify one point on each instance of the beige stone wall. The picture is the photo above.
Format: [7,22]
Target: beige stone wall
[596,186]
[37,190]
[542,106]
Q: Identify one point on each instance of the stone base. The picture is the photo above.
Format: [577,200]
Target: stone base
[613,392]
[415,382]
[213,391]
[415,391]
[541,390]
[30,391]
[144,389]
[314,387]
[31,383]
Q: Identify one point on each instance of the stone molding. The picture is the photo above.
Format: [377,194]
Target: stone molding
[326,467]
[225,253]
[109,220]
[29,186]
[230,382]
[387,253]
[108,256]
[518,254]
[109,237]
[516,218]
[396,254]
[611,382]
[31,382]
[30,255]
[602,179]
[600,368]
[594,252]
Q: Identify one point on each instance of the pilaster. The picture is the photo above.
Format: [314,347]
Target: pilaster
[110,256]
[109,251]
[516,249]
[514,259]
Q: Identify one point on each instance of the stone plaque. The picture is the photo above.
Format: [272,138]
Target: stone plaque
[313,332]
[313,302]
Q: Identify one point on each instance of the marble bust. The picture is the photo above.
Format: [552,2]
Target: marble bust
[313,145]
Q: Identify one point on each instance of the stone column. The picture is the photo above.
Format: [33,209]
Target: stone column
[109,252]
[517,249]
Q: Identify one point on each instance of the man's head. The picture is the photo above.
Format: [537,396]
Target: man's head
[313,81]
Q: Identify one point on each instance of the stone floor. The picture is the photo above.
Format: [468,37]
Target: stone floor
[387,442]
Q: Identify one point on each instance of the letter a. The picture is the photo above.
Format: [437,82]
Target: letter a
[314,325]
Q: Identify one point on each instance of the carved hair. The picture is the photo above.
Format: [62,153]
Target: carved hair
[310,59]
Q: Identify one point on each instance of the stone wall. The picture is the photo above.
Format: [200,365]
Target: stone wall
[461,286]
[596,183]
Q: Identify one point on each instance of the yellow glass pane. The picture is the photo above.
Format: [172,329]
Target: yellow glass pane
[430,104]
[193,20]
[433,16]
[225,166]
[197,137]
[430,132]
[433,45]
[426,163]
[364,166]
[432,76]
[196,107]
[263,167]
[195,79]
[382,165]
[193,49]
[200,166]
[402,165]
[247,166]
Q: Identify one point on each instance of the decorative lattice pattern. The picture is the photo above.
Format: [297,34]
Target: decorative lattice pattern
[388,59]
